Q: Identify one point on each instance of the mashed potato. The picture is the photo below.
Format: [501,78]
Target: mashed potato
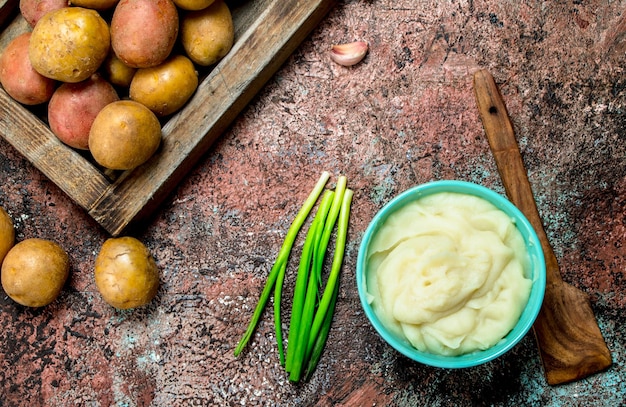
[448,273]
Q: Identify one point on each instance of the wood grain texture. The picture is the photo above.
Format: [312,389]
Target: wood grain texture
[75,175]
[569,339]
[267,32]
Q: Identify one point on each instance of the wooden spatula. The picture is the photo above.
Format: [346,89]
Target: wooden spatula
[570,342]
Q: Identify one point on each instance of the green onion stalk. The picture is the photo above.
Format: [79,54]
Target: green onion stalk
[312,309]
[316,317]
[313,235]
[280,265]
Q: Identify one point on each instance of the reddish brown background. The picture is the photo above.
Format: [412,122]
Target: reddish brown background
[404,116]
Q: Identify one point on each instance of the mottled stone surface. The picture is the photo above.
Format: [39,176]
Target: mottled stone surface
[404,116]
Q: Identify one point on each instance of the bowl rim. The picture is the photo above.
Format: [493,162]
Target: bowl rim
[529,314]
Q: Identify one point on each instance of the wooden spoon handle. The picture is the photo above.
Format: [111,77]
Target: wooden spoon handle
[504,147]
[570,342]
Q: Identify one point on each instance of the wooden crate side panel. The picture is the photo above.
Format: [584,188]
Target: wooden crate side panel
[63,166]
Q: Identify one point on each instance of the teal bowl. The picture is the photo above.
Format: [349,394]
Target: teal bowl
[537,275]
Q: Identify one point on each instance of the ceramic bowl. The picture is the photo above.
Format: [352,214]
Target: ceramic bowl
[537,274]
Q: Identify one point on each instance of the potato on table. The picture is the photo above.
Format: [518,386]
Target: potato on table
[125,272]
[34,272]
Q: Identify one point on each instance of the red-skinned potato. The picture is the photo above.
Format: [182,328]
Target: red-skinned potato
[74,106]
[19,78]
[143,32]
[33,10]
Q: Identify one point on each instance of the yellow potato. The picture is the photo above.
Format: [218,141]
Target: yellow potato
[124,135]
[117,72]
[34,272]
[69,44]
[94,4]
[207,35]
[7,233]
[193,4]
[165,88]
[126,274]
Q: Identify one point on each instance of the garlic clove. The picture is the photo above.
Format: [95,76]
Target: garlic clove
[349,54]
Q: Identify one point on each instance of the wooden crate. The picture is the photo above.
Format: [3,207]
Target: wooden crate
[266,33]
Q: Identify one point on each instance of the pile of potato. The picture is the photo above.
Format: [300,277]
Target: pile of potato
[109,70]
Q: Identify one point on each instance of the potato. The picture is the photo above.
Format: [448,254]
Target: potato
[95,4]
[193,4]
[207,35]
[33,10]
[74,106]
[165,88]
[143,32]
[124,135]
[117,72]
[19,78]
[69,44]
[125,272]
[7,233]
[34,272]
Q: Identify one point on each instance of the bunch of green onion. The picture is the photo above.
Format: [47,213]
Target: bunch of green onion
[313,301]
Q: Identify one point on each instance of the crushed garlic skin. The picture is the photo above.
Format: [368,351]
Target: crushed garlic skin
[349,54]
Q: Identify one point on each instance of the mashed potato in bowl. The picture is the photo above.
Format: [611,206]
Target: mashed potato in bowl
[449,273]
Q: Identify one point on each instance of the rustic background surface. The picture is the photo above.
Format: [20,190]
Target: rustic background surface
[404,116]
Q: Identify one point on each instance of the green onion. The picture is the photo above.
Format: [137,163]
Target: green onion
[317,334]
[326,306]
[298,349]
[311,312]
[278,289]
[320,341]
[278,270]
[322,244]
[303,271]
